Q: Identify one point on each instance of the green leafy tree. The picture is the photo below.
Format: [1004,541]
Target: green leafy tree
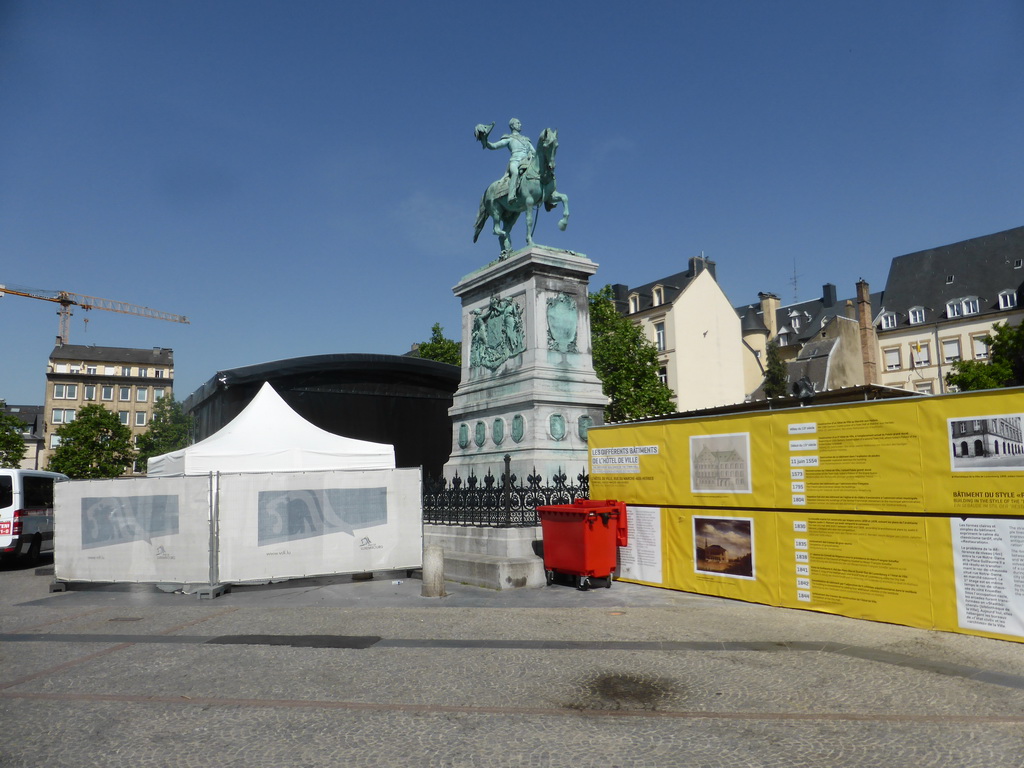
[775,375]
[626,362]
[439,348]
[12,445]
[1004,368]
[95,445]
[170,429]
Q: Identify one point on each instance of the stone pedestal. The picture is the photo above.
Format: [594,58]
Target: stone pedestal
[528,384]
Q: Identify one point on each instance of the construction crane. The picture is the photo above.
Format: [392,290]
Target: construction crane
[66,299]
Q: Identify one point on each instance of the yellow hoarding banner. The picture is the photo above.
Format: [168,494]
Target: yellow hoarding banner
[905,511]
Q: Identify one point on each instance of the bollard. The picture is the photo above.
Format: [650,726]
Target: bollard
[433,572]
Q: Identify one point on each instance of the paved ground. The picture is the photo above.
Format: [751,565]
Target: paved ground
[335,672]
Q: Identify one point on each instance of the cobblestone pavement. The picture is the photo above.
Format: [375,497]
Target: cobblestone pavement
[336,672]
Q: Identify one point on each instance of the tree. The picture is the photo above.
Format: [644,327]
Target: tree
[439,348]
[1004,368]
[626,362]
[12,444]
[95,445]
[775,375]
[169,430]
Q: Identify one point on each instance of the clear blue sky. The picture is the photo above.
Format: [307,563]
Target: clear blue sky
[300,178]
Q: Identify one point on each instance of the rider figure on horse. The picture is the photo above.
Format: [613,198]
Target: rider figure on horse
[520,146]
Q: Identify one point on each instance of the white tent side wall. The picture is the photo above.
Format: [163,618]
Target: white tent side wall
[233,528]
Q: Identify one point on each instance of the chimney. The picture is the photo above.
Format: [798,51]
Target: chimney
[698,264]
[868,339]
[828,295]
[850,311]
[769,306]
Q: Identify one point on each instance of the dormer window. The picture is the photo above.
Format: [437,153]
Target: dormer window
[658,295]
[949,279]
[634,302]
[916,315]
[888,321]
[1007,299]
[961,307]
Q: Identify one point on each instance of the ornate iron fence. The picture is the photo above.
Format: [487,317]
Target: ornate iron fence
[497,502]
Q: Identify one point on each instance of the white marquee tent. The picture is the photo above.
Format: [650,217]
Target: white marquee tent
[268,436]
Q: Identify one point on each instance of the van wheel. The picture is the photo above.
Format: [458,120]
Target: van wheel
[32,556]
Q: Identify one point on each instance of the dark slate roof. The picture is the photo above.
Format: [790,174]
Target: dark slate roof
[673,285]
[92,354]
[752,321]
[982,267]
[30,416]
[812,314]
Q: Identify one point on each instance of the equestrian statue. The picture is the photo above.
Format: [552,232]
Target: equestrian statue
[528,182]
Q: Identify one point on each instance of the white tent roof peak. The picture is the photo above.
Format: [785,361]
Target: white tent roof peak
[268,436]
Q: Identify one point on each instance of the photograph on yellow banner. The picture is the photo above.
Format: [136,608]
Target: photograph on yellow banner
[720,463]
[724,546]
[987,443]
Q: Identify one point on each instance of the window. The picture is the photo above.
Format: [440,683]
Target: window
[892,359]
[122,416]
[971,306]
[1007,299]
[140,418]
[158,393]
[950,350]
[124,394]
[916,315]
[60,368]
[888,321]
[90,391]
[159,373]
[663,375]
[108,370]
[91,370]
[919,356]
[107,393]
[634,302]
[980,347]
[924,388]
[949,279]
[54,441]
[126,370]
[143,372]
[659,335]
[954,309]
[659,295]
[76,369]
[142,395]
[1018,263]
[65,391]
[62,416]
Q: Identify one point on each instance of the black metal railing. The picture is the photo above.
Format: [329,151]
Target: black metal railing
[497,502]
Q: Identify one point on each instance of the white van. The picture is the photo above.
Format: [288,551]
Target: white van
[26,512]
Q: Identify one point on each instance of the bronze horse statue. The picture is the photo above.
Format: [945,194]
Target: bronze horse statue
[536,186]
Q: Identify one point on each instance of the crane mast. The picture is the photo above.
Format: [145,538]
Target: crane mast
[67,299]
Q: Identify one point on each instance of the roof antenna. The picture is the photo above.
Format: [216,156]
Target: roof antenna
[794,282]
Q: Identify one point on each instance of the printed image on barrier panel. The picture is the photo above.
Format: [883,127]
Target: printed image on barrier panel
[289,525]
[151,530]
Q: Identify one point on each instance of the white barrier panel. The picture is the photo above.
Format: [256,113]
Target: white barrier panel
[295,524]
[154,530]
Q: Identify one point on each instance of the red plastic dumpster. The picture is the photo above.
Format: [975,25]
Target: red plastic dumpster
[582,539]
